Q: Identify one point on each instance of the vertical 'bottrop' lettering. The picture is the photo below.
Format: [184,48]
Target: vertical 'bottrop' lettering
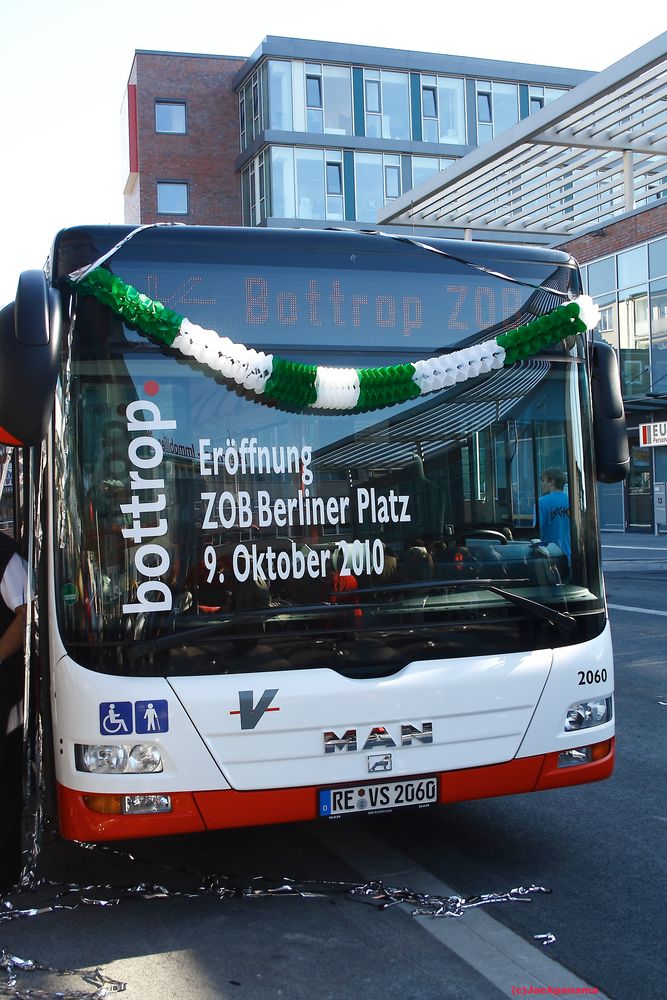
[151,560]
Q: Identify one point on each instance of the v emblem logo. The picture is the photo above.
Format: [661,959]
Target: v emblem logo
[250,713]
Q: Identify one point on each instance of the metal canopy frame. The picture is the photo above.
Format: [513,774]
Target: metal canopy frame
[595,153]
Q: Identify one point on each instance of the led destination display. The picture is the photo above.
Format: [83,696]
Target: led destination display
[289,306]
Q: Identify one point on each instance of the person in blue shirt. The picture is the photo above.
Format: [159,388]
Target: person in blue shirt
[554,511]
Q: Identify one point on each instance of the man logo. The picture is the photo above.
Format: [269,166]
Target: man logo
[378,738]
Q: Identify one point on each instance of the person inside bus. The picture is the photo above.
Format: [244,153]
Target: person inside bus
[13,589]
[416,563]
[342,590]
[554,511]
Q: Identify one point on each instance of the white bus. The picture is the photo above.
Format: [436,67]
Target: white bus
[288,553]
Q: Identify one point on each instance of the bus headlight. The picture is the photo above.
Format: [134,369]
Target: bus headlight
[144,759]
[101,758]
[586,714]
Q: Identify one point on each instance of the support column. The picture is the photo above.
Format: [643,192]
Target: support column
[628,181]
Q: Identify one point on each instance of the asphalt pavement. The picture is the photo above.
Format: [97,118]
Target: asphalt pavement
[625,551]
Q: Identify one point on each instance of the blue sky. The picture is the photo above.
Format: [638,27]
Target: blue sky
[64,66]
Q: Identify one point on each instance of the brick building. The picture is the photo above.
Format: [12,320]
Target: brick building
[307,132]
[181,124]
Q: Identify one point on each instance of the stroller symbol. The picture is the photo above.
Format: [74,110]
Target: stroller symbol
[379,762]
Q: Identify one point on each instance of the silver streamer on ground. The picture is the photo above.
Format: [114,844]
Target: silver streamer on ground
[38,896]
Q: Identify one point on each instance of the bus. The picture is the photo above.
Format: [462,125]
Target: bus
[282,504]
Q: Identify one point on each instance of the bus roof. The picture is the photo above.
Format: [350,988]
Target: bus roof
[80,246]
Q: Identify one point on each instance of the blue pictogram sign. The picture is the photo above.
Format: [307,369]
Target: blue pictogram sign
[121,718]
[115,718]
[151,716]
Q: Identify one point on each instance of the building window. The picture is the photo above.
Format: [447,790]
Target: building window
[369,185]
[497,108]
[280,95]
[170,117]
[484,115]
[387,98]
[243,125]
[172,197]
[252,110]
[430,132]
[254,188]
[255,105]
[553,93]
[424,167]
[535,99]
[372,92]
[392,181]
[429,102]
[634,341]
[313,91]
[334,178]
[378,180]
[314,109]
[608,326]
[310,197]
[632,267]
[539,97]
[334,184]
[657,257]
[337,84]
[602,276]
[283,198]
[505,106]
[328,94]
[451,110]
[443,109]
[658,293]
[306,183]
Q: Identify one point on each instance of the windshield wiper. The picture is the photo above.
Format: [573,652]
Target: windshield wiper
[561,619]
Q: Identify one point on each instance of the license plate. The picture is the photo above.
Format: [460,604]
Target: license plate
[372,797]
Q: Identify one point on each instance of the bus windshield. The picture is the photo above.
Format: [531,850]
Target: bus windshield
[201,530]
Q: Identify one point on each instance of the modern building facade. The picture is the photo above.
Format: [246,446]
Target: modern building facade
[624,265]
[588,174]
[322,134]
[308,132]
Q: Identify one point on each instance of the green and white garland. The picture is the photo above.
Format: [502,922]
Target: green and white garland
[323,388]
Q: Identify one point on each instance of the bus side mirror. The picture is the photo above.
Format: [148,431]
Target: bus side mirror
[610,434]
[30,331]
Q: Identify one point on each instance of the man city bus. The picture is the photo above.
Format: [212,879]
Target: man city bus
[286,549]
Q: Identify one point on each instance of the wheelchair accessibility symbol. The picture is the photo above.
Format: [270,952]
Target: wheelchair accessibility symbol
[120,718]
[116,718]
